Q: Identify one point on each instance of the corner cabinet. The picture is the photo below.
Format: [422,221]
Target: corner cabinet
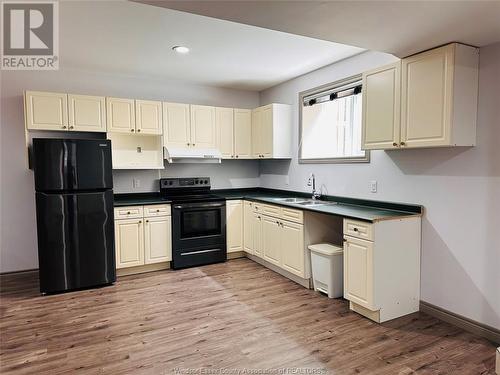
[425,100]
[143,235]
[272,132]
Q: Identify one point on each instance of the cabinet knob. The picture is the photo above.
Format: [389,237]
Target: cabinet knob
[138,130]
[157,210]
[402,143]
[128,212]
[140,221]
[188,144]
[236,156]
[355,229]
[64,127]
[131,130]
[71,127]
[193,144]
[395,144]
[147,221]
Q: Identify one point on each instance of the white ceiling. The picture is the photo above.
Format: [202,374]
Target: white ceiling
[398,27]
[136,39]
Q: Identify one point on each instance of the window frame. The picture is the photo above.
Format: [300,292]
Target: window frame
[317,90]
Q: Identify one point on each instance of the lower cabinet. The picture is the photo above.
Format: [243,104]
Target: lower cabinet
[144,239]
[234,225]
[278,241]
[129,243]
[382,267]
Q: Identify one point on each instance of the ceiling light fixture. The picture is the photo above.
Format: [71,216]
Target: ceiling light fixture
[180,49]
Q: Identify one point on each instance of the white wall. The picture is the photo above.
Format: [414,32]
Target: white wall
[18,248]
[459,187]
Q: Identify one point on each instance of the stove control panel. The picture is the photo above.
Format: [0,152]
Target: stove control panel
[185,183]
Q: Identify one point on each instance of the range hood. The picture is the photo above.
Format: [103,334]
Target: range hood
[191,155]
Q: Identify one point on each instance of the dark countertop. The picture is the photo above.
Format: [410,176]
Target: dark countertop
[361,209]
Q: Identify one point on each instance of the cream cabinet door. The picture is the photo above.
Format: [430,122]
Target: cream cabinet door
[234,225]
[248,227]
[203,129]
[257,133]
[46,110]
[120,115]
[158,239]
[87,113]
[271,240]
[257,235]
[381,107]
[243,133]
[266,132]
[176,125]
[292,248]
[148,117]
[225,131]
[129,243]
[358,272]
[426,98]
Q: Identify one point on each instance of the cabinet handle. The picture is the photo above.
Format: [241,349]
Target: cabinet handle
[402,144]
[395,144]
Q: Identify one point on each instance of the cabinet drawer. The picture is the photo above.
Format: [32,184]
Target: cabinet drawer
[271,210]
[128,212]
[157,210]
[358,229]
[292,215]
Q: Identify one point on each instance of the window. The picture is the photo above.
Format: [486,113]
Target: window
[330,124]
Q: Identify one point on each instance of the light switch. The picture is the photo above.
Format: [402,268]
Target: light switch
[137,183]
[373,186]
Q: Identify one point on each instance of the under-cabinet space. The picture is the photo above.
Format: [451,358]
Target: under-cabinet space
[136,152]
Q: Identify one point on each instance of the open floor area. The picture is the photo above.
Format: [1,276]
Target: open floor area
[231,316]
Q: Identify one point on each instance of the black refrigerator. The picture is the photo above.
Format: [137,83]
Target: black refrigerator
[74,212]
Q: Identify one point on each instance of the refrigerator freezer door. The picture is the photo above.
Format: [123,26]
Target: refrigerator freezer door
[72,164]
[76,246]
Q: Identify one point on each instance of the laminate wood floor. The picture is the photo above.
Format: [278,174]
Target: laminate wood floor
[219,319]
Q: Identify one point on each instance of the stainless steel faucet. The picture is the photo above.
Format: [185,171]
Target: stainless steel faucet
[312,182]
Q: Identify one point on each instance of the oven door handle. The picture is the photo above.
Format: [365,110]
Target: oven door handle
[199,205]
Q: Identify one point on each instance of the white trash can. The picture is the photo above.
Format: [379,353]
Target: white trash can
[328,269]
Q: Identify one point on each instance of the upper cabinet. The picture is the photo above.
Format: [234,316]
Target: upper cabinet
[148,117]
[121,115]
[176,125]
[430,101]
[242,133]
[381,107]
[203,129]
[87,113]
[134,116]
[224,119]
[64,112]
[46,110]
[271,132]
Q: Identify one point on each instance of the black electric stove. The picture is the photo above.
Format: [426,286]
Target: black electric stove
[198,222]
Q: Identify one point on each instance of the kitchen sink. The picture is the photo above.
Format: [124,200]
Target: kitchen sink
[292,200]
[315,203]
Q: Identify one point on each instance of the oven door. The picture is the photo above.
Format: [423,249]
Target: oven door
[198,233]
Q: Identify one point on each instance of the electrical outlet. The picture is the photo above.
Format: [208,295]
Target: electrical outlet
[136,182]
[373,186]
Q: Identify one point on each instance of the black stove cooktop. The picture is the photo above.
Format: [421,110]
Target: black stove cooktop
[191,189]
